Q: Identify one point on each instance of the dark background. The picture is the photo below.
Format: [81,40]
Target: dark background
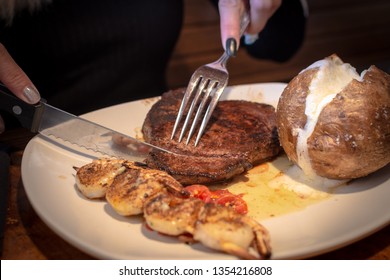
[358,31]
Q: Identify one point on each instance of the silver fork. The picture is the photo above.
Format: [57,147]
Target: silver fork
[210,81]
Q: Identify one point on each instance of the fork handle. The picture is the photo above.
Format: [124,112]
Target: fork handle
[244,21]
[222,61]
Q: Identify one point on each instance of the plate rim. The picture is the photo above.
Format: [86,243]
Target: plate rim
[96,252]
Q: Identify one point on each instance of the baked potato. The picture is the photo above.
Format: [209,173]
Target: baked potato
[335,123]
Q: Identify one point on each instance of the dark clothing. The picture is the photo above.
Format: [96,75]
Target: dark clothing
[283,34]
[87,54]
[83,55]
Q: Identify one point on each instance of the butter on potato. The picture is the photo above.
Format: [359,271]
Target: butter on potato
[335,123]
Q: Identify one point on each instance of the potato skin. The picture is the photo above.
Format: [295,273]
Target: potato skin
[352,136]
[290,112]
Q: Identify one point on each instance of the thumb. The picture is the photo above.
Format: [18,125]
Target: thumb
[14,78]
[229,12]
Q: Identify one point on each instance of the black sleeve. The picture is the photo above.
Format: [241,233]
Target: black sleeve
[282,36]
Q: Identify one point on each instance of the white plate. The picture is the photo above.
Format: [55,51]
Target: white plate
[349,215]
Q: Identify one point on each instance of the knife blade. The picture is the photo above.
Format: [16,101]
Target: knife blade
[56,124]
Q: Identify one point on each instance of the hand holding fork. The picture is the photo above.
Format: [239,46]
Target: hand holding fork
[204,90]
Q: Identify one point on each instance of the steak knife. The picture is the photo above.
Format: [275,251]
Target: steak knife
[60,126]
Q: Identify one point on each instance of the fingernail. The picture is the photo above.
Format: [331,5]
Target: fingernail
[231,47]
[31,94]
[249,39]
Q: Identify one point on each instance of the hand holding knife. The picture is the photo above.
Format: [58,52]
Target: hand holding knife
[54,123]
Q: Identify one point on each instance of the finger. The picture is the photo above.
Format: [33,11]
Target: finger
[260,12]
[230,11]
[12,76]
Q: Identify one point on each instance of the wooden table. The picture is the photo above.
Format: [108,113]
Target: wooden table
[26,236]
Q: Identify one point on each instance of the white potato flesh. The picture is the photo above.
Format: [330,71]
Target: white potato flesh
[331,78]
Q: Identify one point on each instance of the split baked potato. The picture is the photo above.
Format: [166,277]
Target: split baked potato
[335,123]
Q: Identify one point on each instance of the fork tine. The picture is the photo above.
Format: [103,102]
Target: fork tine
[210,87]
[195,80]
[210,109]
[194,102]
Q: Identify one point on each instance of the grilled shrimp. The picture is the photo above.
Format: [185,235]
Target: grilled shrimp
[93,179]
[172,215]
[215,226]
[222,228]
[130,189]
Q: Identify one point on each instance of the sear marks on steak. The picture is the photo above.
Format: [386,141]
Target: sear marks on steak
[239,135]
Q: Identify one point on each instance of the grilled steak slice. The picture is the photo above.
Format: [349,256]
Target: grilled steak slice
[239,135]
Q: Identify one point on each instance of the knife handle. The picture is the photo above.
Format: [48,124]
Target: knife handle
[29,115]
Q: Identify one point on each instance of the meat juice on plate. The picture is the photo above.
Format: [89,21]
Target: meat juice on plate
[269,191]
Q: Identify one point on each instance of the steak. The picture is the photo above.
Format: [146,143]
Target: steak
[239,134]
